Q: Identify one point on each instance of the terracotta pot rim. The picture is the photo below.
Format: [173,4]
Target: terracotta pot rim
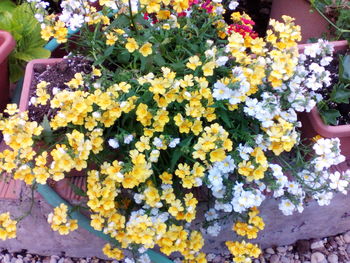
[7,45]
[28,78]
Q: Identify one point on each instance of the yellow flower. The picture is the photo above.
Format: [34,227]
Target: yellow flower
[111,39]
[208,68]
[146,49]
[194,62]
[131,45]
[8,227]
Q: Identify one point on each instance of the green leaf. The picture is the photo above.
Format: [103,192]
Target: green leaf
[174,158]
[344,69]
[7,5]
[108,51]
[32,53]
[123,57]
[47,131]
[77,190]
[159,60]
[340,94]
[330,116]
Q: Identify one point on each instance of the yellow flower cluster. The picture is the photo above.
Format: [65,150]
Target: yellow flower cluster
[42,95]
[110,252]
[58,30]
[255,168]
[242,251]
[282,135]
[177,239]
[255,223]
[59,222]
[190,176]
[154,6]
[8,226]
[213,142]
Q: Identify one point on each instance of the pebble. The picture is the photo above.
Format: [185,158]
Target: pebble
[318,257]
[317,245]
[67,260]
[270,251]
[332,258]
[346,237]
[302,246]
[285,260]
[274,259]
[281,249]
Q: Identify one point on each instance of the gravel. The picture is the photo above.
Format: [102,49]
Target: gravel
[335,249]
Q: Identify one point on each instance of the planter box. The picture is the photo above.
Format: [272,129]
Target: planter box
[313,25]
[7,44]
[313,125]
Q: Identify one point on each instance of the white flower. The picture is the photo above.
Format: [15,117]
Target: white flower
[337,183]
[128,139]
[287,207]
[113,143]
[154,156]
[39,17]
[214,230]
[221,61]
[233,5]
[211,214]
[174,142]
[323,198]
[158,142]
[221,92]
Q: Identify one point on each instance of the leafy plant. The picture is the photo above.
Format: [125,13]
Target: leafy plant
[339,94]
[21,23]
[337,13]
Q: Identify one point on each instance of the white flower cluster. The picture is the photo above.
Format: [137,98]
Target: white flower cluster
[232,92]
[218,173]
[328,153]
[310,76]
[245,199]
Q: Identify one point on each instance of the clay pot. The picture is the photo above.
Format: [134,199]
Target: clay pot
[7,44]
[313,25]
[312,123]
[63,187]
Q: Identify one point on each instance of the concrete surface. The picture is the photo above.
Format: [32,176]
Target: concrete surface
[35,235]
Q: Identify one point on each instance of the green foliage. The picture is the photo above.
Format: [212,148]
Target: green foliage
[339,94]
[337,13]
[21,23]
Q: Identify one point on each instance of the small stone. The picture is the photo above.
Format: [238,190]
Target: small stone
[285,260]
[256,261]
[302,246]
[210,256]
[46,260]
[296,256]
[317,245]
[340,241]
[318,257]
[270,251]
[218,259]
[281,249]
[61,260]
[7,259]
[275,259]
[332,258]
[346,237]
[19,260]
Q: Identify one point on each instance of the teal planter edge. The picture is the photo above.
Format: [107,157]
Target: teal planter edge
[53,199]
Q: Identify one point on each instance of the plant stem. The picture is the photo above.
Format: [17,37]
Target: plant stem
[132,17]
[330,22]
[31,204]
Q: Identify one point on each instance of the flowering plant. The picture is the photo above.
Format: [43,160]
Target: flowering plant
[175,99]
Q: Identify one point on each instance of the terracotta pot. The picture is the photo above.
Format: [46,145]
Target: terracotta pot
[313,125]
[63,187]
[313,25]
[7,44]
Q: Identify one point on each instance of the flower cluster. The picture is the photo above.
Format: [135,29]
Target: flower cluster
[59,221]
[181,101]
[8,226]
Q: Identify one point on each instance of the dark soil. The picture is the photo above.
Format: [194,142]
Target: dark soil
[57,75]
